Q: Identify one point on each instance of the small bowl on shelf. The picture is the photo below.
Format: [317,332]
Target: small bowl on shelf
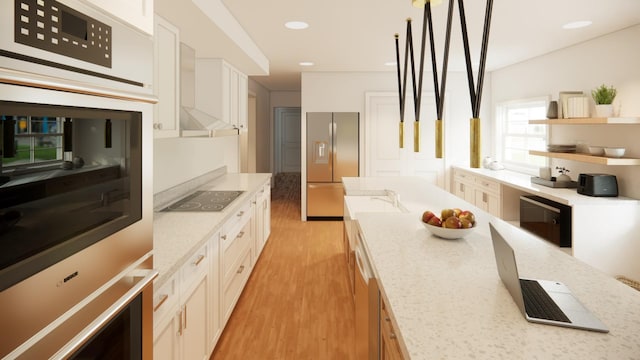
[447,233]
[614,152]
[596,150]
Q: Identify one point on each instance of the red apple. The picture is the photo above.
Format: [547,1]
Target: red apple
[466,214]
[452,222]
[446,213]
[427,215]
[435,221]
[466,224]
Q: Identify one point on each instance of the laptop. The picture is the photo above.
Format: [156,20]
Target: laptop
[541,301]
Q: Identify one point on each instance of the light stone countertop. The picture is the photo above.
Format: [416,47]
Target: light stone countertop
[177,235]
[448,302]
[560,195]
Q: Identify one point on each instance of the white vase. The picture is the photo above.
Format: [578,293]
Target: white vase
[604,110]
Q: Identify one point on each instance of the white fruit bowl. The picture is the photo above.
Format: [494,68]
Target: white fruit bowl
[447,233]
[614,152]
[596,150]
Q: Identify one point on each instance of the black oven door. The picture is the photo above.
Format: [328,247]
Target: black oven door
[547,219]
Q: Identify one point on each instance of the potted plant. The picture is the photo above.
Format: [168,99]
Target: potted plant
[603,96]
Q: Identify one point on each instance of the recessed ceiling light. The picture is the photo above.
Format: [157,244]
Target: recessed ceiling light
[296,25]
[390,63]
[576,24]
[305,63]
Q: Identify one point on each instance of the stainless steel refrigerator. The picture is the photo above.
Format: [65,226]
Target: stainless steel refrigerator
[332,153]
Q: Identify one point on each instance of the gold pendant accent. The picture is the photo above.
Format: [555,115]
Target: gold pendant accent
[475,143]
[401,140]
[438,139]
[416,136]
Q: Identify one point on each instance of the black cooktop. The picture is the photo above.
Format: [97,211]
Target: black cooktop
[205,201]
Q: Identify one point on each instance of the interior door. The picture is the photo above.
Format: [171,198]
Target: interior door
[384,157]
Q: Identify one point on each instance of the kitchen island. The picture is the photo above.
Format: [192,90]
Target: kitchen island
[446,300]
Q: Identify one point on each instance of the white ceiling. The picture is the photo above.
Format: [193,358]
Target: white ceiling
[358,35]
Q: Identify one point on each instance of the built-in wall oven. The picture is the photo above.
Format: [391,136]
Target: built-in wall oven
[76,144]
[546,218]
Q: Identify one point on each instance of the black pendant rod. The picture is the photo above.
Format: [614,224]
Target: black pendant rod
[467,54]
[400,97]
[434,66]
[483,56]
[445,64]
[420,75]
[406,67]
[413,70]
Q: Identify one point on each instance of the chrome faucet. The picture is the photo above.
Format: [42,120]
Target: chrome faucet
[393,196]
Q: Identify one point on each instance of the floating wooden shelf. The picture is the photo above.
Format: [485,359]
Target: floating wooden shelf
[587,158]
[589,121]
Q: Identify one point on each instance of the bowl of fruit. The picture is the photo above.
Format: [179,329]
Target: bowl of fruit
[452,223]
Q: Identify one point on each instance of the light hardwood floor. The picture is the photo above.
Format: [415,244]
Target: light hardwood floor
[297,303]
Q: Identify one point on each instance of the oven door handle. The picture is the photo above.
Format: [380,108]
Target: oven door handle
[72,346]
[536,203]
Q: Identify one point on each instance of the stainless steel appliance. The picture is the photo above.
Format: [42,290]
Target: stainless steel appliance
[77,199]
[546,218]
[366,305]
[332,153]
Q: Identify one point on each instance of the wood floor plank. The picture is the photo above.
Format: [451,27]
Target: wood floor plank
[297,303]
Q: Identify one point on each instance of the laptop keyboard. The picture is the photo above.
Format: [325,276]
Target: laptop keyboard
[538,304]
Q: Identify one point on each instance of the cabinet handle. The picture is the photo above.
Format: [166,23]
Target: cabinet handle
[484,197]
[240,270]
[198,260]
[185,316]
[223,237]
[180,323]
[240,234]
[461,187]
[240,213]
[253,202]
[386,318]
[392,336]
[163,298]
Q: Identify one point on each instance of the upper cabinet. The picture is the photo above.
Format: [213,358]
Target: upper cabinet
[222,91]
[166,79]
[602,160]
[137,13]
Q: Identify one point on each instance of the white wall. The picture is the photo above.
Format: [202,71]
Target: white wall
[613,60]
[177,160]
[336,91]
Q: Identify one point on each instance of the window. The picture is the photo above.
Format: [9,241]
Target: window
[515,136]
[36,140]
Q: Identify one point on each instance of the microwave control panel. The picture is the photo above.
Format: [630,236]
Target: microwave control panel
[55,27]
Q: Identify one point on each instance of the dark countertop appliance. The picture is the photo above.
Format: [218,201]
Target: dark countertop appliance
[598,185]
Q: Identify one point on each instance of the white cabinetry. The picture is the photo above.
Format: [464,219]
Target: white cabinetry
[166,79]
[261,219]
[137,13]
[478,190]
[236,262]
[180,329]
[222,91]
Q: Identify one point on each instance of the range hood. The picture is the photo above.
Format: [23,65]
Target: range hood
[194,122]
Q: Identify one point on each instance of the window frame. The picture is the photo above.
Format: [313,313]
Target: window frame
[32,138]
[501,110]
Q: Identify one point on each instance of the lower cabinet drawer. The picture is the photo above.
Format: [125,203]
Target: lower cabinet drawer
[234,287]
[234,250]
[165,299]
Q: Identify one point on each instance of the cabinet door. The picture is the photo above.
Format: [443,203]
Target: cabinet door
[226,95]
[166,81]
[137,13]
[166,343]
[194,323]
[243,99]
[215,291]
